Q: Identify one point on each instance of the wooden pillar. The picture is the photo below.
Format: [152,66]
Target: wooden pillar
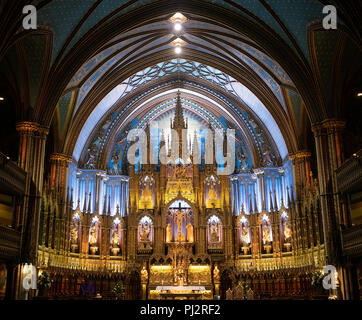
[31,159]
[329,157]
[58,182]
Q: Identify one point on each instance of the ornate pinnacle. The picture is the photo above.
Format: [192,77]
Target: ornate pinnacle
[179,121]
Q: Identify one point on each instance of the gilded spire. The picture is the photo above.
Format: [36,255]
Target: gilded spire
[179,120]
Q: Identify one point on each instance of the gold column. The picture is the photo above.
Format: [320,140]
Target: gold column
[31,159]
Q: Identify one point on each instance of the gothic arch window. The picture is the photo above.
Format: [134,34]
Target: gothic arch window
[145,233]
[214,233]
[266,234]
[94,235]
[286,232]
[244,235]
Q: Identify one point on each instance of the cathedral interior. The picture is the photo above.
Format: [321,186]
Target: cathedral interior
[180,150]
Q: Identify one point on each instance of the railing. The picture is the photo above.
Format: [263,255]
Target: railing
[9,243]
[352,240]
[349,174]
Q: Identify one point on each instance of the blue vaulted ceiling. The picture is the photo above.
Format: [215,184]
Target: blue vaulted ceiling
[143,47]
[63,16]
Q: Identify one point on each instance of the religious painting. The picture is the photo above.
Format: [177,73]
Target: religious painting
[147,192]
[179,223]
[214,232]
[179,180]
[145,233]
[212,192]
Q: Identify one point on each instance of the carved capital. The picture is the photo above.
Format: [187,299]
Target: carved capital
[28,128]
[327,126]
[59,157]
[300,155]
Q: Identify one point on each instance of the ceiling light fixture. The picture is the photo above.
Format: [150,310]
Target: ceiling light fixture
[178,26]
[178,50]
[178,17]
[178,42]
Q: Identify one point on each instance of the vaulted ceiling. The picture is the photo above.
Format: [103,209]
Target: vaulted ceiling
[83,50]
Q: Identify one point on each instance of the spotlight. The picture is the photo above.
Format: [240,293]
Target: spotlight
[359,94]
[178,50]
[177,26]
[2,98]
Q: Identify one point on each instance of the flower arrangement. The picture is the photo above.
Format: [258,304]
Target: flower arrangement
[44,281]
[317,279]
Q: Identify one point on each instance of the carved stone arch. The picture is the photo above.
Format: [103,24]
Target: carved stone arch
[239,217]
[116,126]
[145,214]
[179,198]
[261,215]
[216,213]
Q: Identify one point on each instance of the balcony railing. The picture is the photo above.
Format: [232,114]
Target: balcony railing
[9,243]
[352,241]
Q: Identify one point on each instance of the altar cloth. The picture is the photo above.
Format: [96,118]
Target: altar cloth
[180,288]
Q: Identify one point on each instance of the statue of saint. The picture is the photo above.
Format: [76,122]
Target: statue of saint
[93,235]
[74,234]
[216,273]
[245,235]
[266,234]
[287,232]
[180,235]
[144,235]
[116,159]
[91,162]
[212,193]
[267,161]
[168,233]
[144,274]
[115,239]
[214,233]
[147,193]
[190,232]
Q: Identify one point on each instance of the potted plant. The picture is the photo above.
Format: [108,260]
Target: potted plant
[44,284]
[317,280]
[119,289]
